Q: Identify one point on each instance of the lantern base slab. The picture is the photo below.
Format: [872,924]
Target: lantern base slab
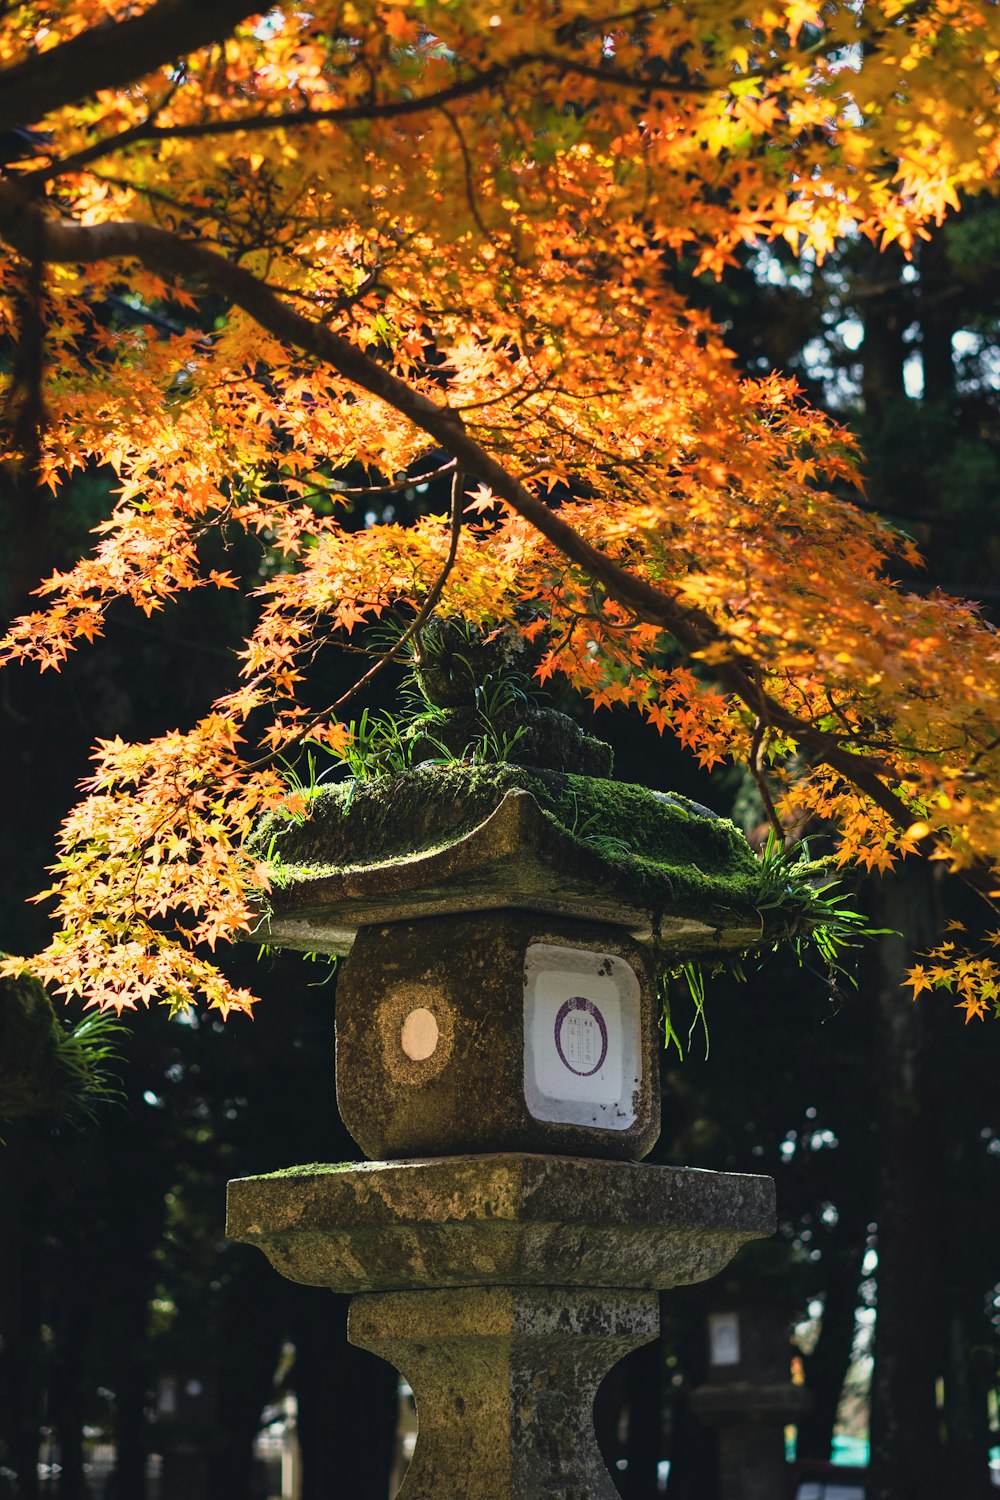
[506,1219]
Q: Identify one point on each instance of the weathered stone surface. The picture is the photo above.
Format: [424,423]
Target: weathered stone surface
[443,1048]
[459,838]
[455,661]
[505,1219]
[47,1065]
[32,1077]
[504,1381]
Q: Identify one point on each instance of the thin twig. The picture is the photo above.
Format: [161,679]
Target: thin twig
[388,109]
[756,771]
[362,492]
[416,624]
[470,186]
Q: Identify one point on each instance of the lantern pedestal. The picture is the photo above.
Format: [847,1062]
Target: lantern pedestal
[504,1380]
[504,1287]
[748,1397]
[750,1419]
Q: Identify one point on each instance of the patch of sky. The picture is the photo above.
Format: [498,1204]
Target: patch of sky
[849,57]
[977,361]
[270,23]
[825,359]
[851,333]
[913,376]
[770,270]
[387,514]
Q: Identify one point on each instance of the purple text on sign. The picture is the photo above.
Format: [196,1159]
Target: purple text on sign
[581,1036]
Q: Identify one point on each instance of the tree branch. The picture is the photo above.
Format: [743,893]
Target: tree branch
[386,109]
[292,119]
[113,54]
[372,491]
[28,231]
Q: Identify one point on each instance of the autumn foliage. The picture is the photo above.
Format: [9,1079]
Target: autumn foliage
[454,231]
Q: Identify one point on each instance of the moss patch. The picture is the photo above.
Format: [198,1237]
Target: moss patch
[311,1169]
[47,1066]
[32,1080]
[529,736]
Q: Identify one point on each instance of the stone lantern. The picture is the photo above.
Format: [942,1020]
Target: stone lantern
[187,1404]
[749,1396]
[497,1047]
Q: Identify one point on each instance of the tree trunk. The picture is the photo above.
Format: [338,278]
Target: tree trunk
[883,352]
[128,1481]
[694,1446]
[68,1385]
[936,322]
[906,1424]
[347,1405]
[643,1371]
[247,1361]
[21,1374]
[694,1456]
[826,1367]
[968,1362]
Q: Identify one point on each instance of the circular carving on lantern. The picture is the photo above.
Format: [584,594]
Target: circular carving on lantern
[419,1034]
[416,1026]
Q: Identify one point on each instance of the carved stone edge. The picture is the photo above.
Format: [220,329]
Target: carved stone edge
[511,1218]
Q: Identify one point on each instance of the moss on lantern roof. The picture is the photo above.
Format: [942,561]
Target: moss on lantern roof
[456,837]
[660,850]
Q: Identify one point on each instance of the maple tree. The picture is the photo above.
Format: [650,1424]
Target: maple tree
[380,234]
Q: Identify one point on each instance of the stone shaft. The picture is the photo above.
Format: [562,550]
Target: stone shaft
[504,1380]
[752,1462]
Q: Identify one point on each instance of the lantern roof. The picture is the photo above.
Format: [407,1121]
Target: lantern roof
[449,837]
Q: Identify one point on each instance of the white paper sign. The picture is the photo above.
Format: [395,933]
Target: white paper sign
[723,1338]
[582,1058]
